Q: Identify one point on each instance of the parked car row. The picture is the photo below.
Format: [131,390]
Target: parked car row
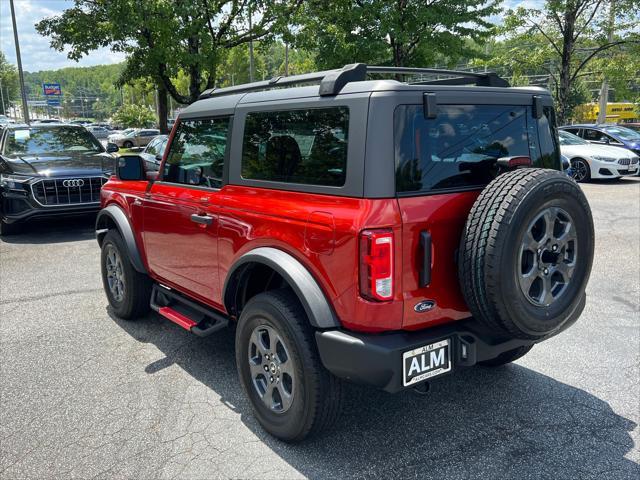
[133,137]
[600,151]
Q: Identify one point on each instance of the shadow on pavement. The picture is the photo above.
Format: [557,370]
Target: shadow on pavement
[508,422]
[54,230]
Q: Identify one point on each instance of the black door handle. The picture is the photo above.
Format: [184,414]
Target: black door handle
[425,268]
[202,219]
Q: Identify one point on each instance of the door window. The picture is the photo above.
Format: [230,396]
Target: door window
[152,148]
[197,153]
[594,135]
[297,146]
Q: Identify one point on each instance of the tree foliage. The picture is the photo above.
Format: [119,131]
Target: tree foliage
[162,38]
[396,32]
[133,115]
[8,83]
[565,38]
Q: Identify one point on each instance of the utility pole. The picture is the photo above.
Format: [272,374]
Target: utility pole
[250,46]
[23,93]
[604,90]
[286,59]
[4,108]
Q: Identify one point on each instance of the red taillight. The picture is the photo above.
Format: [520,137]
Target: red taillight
[376,264]
[514,162]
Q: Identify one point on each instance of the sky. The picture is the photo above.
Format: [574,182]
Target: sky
[35,50]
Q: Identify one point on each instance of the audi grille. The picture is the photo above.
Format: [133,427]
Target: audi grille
[66,191]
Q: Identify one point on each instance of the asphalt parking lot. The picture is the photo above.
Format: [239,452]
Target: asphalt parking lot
[85,395]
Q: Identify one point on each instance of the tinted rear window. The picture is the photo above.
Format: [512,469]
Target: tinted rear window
[297,146]
[458,149]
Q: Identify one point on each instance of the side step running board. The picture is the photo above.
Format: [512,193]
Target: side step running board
[192,316]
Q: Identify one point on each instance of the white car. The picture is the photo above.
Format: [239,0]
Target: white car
[596,161]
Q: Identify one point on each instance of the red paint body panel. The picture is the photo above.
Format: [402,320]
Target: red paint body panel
[443,216]
[321,231]
[291,221]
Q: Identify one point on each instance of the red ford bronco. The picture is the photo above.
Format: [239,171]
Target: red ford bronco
[354,228]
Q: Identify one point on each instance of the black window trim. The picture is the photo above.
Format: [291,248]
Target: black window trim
[227,151]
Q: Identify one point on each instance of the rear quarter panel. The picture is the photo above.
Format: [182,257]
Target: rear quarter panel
[321,231]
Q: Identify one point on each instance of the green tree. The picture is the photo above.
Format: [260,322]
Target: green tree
[8,83]
[397,32]
[566,37]
[133,115]
[163,38]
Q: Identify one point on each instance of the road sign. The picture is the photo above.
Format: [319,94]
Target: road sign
[52,89]
[55,102]
[37,103]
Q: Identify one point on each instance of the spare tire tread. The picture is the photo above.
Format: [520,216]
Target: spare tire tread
[479,275]
[480,228]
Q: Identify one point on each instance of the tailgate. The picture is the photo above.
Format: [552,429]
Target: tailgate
[441,219]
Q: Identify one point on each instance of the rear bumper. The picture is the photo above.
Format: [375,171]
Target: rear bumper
[376,359]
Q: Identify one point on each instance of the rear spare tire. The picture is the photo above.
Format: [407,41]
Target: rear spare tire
[526,253]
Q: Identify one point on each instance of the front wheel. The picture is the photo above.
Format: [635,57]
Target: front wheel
[581,170]
[293,396]
[128,291]
[127,144]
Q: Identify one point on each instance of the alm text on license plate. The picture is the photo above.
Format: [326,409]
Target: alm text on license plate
[426,362]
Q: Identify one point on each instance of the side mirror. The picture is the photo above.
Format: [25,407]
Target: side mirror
[112,148]
[159,158]
[130,167]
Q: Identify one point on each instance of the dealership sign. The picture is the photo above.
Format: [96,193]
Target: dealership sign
[52,89]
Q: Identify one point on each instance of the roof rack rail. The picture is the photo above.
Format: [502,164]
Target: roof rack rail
[332,81]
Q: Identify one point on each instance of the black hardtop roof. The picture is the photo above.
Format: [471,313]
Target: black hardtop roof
[336,82]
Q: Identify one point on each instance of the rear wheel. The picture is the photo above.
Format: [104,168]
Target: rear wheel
[128,291]
[581,170]
[292,394]
[526,253]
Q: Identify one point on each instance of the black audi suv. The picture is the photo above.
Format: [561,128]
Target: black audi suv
[49,170]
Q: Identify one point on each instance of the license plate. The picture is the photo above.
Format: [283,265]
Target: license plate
[426,362]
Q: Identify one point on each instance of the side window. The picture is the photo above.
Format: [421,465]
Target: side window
[297,146]
[162,147]
[197,153]
[549,147]
[152,147]
[459,148]
[593,135]
[575,131]
[611,140]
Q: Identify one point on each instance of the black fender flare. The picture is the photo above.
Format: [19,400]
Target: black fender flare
[113,214]
[311,296]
